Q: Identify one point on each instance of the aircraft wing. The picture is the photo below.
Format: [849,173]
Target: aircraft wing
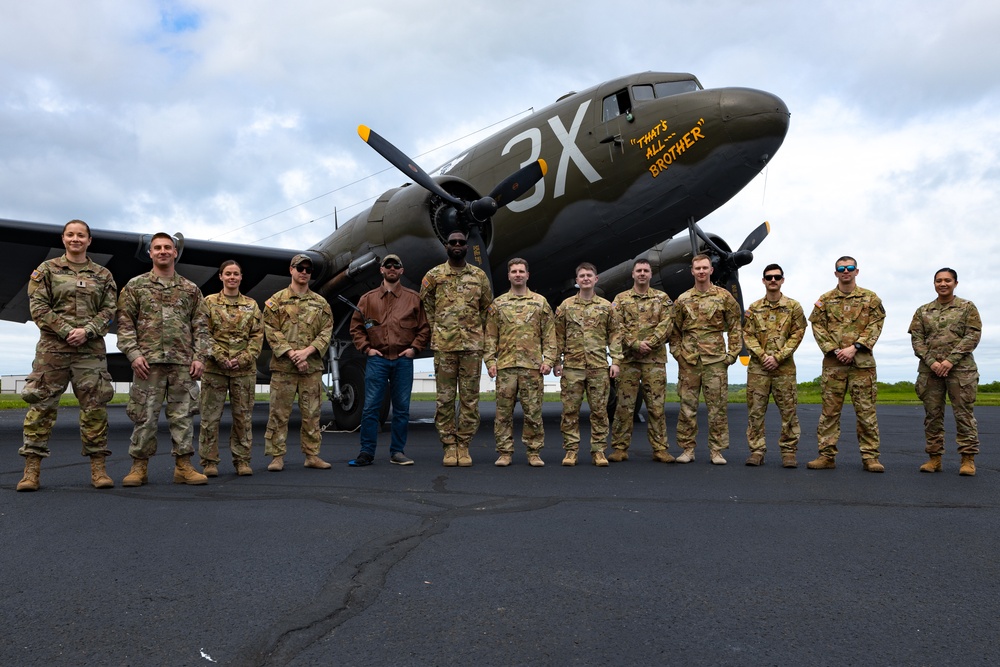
[25,245]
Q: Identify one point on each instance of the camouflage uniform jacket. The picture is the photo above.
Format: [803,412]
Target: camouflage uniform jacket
[584,332]
[294,322]
[455,301]
[520,332]
[773,329]
[700,319]
[163,320]
[237,333]
[640,317]
[63,298]
[839,320]
[949,332]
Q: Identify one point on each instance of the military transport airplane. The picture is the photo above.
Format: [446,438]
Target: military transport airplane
[604,175]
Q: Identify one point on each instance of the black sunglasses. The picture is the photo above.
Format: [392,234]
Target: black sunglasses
[774,278]
[849,267]
[392,265]
[457,242]
[304,268]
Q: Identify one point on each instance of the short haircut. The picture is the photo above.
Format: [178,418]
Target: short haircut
[77,222]
[585,266]
[953,272]
[641,260]
[772,267]
[163,235]
[456,231]
[846,258]
[230,262]
[700,256]
[518,260]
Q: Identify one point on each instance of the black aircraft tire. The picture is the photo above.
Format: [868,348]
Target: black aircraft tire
[352,385]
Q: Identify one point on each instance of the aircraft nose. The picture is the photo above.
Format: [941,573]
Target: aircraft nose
[753,114]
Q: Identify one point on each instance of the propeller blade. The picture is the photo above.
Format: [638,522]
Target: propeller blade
[756,236]
[733,285]
[400,161]
[518,183]
[477,252]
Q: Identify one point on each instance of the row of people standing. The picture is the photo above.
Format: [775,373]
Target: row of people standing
[172,337]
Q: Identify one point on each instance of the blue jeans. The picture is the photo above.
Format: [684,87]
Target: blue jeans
[397,374]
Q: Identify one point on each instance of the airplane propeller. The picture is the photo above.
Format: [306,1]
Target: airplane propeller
[478,211]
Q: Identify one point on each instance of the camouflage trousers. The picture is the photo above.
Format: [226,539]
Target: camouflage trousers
[786,393]
[457,372]
[712,381]
[835,383]
[51,372]
[528,386]
[284,387]
[214,387]
[574,384]
[961,388]
[653,378]
[173,383]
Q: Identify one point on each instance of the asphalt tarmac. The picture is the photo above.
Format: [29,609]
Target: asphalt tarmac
[640,563]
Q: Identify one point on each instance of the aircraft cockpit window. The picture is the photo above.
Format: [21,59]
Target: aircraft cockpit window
[641,93]
[674,88]
[617,104]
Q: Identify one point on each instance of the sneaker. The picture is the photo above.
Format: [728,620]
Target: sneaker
[755,459]
[618,455]
[400,459]
[687,456]
[788,461]
[503,460]
[599,459]
[716,457]
[364,459]
[570,458]
[535,461]
[663,456]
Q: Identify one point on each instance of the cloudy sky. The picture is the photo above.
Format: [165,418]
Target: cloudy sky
[236,120]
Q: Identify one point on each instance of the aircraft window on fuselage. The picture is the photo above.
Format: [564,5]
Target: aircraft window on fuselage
[642,93]
[673,88]
[617,104]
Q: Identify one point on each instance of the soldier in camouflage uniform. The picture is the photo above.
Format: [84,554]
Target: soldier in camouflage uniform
[72,300]
[944,333]
[846,322]
[520,350]
[701,316]
[772,330]
[455,296]
[163,331]
[585,330]
[643,322]
[234,323]
[298,325]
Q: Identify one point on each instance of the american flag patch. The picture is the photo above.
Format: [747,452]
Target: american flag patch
[36,275]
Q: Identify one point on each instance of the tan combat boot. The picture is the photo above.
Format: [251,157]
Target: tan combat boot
[503,460]
[687,456]
[450,456]
[313,461]
[32,472]
[243,468]
[98,475]
[715,456]
[570,458]
[599,459]
[873,465]
[663,456]
[137,475]
[755,459]
[185,474]
[968,467]
[277,464]
[535,461]
[933,464]
[464,458]
[789,461]
[822,463]
[210,468]
[617,456]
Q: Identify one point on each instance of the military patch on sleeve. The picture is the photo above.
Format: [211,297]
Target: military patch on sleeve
[36,275]
[425,282]
[818,304]
[491,309]
[747,314]
[269,303]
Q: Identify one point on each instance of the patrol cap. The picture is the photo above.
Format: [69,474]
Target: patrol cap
[301,257]
[392,258]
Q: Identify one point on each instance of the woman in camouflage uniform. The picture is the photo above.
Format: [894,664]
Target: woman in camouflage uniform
[72,300]
[234,322]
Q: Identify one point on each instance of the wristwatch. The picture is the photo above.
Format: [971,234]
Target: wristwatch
[859,347]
